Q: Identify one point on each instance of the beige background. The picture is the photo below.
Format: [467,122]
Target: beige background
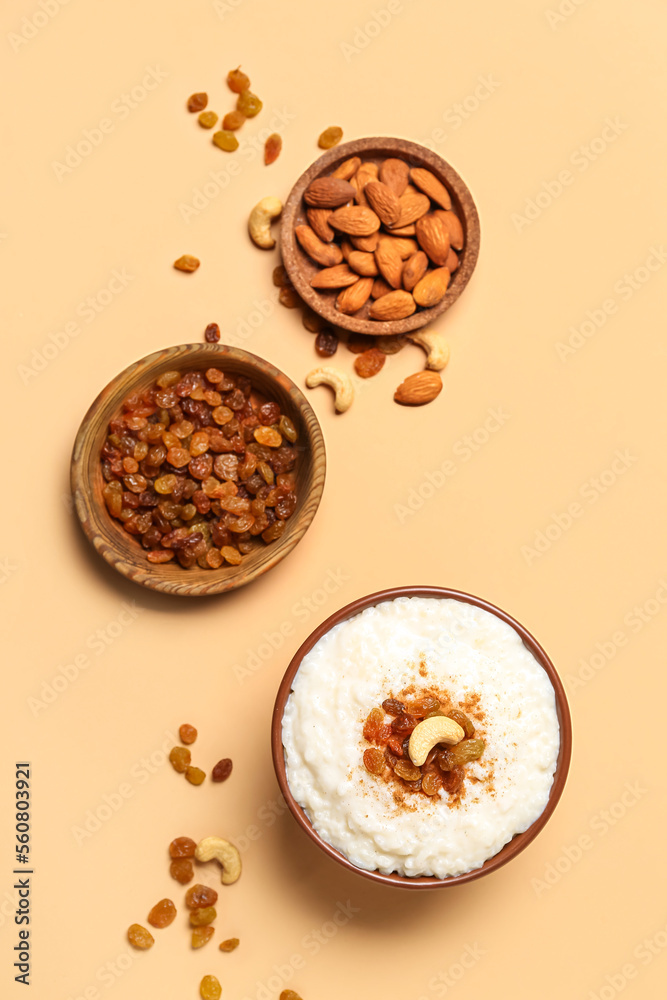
[576,907]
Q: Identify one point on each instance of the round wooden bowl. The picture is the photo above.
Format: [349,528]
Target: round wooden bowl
[124,551]
[301,268]
[521,840]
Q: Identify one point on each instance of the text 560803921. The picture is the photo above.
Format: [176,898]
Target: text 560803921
[22,885]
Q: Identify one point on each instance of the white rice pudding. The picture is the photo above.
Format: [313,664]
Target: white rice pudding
[424,645]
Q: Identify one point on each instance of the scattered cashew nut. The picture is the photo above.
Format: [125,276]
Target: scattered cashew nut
[215,848]
[339,382]
[259,223]
[436,347]
[425,735]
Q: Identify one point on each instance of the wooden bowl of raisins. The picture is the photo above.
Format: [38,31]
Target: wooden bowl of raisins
[380,236]
[197,469]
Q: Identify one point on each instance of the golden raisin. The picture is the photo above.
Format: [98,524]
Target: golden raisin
[406,770]
[226,140]
[182,847]
[200,895]
[231,555]
[195,775]
[229,945]
[201,936]
[268,436]
[180,757]
[187,733]
[162,913]
[374,760]
[139,937]
[182,870]
[272,148]
[462,753]
[463,721]
[330,137]
[248,104]
[187,263]
[197,102]
[203,916]
[237,81]
[369,363]
[210,988]
[207,119]
[431,782]
[233,120]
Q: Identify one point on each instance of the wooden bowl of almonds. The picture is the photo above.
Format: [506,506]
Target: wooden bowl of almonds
[380,236]
[197,469]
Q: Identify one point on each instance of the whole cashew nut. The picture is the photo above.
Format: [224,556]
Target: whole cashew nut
[215,848]
[425,735]
[259,223]
[339,382]
[436,347]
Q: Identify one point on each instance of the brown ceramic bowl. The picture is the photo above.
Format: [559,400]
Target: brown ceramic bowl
[301,268]
[123,551]
[520,840]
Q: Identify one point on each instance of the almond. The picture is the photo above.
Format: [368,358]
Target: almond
[366,172]
[394,173]
[363,263]
[454,227]
[351,299]
[346,249]
[393,305]
[389,262]
[355,220]
[380,288]
[366,243]
[431,186]
[433,237]
[319,221]
[334,277]
[418,389]
[452,262]
[431,288]
[405,247]
[414,270]
[326,254]
[413,205]
[383,201]
[404,230]
[347,168]
[328,192]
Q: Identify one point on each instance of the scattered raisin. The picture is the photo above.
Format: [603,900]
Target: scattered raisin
[201,936]
[225,140]
[199,896]
[139,937]
[272,148]
[187,733]
[229,945]
[210,988]
[280,279]
[289,995]
[182,847]
[237,81]
[326,343]
[202,916]
[330,137]
[369,363]
[195,775]
[162,913]
[248,104]
[182,870]
[212,333]
[393,707]
[207,119]
[197,102]
[360,342]
[289,297]
[222,770]
[180,758]
[187,263]
[232,121]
